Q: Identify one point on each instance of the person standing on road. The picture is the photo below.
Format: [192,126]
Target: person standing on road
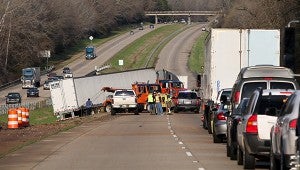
[168,104]
[158,104]
[88,106]
[151,103]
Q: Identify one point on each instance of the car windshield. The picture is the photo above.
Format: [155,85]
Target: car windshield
[13,95]
[187,95]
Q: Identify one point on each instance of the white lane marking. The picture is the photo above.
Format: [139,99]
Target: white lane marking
[174,136]
[48,140]
[195,161]
[180,143]
[188,153]
[183,147]
[201,169]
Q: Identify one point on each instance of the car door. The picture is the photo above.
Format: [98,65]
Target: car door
[241,127]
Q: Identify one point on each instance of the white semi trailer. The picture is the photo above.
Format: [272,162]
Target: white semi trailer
[70,95]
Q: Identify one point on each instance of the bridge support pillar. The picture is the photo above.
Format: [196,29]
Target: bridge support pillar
[156,19]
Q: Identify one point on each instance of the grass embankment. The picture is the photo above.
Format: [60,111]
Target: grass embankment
[144,51]
[37,117]
[78,50]
[196,60]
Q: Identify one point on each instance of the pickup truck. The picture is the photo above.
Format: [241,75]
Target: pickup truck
[124,101]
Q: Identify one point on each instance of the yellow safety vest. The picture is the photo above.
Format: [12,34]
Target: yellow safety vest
[150,98]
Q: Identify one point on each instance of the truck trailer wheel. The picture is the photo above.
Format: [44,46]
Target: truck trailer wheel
[136,111]
[108,108]
[113,112]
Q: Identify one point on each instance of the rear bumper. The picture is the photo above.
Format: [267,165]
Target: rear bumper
[220,128]
[256,146]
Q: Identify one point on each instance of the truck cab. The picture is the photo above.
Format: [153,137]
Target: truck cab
[142,90]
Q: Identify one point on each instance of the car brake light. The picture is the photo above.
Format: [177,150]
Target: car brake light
[236,97]
[220,116]
[268,78]
[287,93]
[293,124]
[251,126]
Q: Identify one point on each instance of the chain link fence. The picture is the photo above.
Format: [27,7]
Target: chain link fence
[30,105]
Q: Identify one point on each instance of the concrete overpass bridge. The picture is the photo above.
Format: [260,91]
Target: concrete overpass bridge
[181,13]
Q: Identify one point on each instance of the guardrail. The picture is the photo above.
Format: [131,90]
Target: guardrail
[29,105]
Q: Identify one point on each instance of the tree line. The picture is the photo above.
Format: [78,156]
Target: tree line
[30,26]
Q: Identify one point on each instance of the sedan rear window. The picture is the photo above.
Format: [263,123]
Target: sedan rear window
[270,105]
[124,93]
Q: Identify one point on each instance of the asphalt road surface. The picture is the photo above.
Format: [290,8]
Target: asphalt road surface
[128,142]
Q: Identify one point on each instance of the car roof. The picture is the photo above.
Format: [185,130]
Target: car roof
[265,71]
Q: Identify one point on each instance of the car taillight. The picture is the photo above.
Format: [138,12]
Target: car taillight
[268,78]
[293,124]
[251,126]
[220,116]
[236,97]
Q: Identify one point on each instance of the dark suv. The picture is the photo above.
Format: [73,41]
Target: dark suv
[187,100]
[264,76]
[13,98]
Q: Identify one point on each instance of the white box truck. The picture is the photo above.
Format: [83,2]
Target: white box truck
[229,50]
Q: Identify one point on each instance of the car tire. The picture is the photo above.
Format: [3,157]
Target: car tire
[227,149]
[233,152]
[108,108]
[136,111]
[274,163]
[248,160]
[209,128]
[239,155]
[113,112]
[282,164]
[175,109]
[216,138]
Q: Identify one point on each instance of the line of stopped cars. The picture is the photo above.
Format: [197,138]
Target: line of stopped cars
[257,118]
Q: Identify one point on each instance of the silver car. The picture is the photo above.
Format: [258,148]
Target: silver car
[219,126]
[283,134]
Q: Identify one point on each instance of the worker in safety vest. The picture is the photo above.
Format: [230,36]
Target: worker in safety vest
[159,110]
[151,103]
[169,104]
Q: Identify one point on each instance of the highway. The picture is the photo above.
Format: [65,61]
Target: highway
[131,142]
